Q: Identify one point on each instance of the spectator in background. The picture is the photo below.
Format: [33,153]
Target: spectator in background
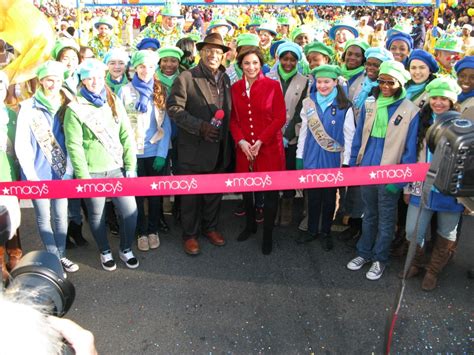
[419,32]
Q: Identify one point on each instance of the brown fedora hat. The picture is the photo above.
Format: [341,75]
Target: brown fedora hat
[215,39]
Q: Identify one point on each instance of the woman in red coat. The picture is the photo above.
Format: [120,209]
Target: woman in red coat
[258,114]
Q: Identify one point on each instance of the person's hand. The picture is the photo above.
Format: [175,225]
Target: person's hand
[80,339]
[256,148]
[299,164]
[245,146]
[159,163]
[130,174]
[209,132]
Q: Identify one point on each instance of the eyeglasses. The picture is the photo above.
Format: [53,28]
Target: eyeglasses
[390,83]
[215,51]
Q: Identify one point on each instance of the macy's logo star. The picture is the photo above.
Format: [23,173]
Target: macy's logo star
[154,186]
[373,175]
[6,191]
[79,188]
[302,179]
[228,183]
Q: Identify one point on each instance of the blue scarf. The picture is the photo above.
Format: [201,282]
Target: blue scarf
[463,96]
[415,89]
[95,99]
[364,93]
[325,101]
[145,90]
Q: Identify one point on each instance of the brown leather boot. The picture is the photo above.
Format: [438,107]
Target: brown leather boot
[13,250]
[286,211]
[417,263]
[442,252]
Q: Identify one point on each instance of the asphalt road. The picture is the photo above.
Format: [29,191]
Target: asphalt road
[234,300]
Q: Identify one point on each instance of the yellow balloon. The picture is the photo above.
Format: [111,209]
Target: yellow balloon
[450,3]
[442,7]
[470,12]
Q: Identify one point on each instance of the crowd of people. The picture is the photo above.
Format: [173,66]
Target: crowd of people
[136,92]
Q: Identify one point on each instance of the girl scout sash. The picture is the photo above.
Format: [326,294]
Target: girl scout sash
[93,118]
[49,146]
[316,128]
[138,120]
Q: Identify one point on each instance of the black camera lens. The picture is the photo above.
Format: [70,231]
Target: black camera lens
[40,276]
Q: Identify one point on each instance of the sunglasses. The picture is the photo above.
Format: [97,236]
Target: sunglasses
[390,83]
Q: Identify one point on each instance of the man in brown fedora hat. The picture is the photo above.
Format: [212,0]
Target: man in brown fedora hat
[195,97]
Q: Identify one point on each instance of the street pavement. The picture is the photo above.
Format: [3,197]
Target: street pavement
[234,300]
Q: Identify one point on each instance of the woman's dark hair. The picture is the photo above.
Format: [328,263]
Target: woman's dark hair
[341,98]
[61,52]
[188,46]
[286,52]
[430,78]
[82,51]
[250,50]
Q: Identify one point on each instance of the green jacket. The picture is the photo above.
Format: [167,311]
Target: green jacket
[8,163]
[86,152]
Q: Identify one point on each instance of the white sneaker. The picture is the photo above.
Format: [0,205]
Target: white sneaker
[107,261]
[143,243]
[129,259]
[376,271]
[68,265]
[357,263]
[153,240]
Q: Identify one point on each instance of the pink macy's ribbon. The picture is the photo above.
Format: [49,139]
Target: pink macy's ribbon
[216,183]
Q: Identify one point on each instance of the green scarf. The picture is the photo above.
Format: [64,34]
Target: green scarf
[114,84]
[379,129]
[238,71]
[51,105]
[349,73]
[284,75]
[166,80]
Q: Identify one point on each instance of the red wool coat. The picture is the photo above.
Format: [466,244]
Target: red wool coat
[261,116]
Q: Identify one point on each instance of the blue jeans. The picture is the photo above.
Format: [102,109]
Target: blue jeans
[447,223]
[354,205]
[74,210]
[126,208]
[378,224]
[51,218]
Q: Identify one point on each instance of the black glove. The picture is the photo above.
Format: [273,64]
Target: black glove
[209,132]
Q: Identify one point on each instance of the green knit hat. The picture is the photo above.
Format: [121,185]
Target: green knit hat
[170,51]
[247,39]
[140,57]
[64,43]
[357,42]
[51,68]
[318,47]
[396,70]
[449,44]
[326,71]
[445,87]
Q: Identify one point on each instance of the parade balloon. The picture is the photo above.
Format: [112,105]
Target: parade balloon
[455,4]
[470,12]
[450,3]
[442,7]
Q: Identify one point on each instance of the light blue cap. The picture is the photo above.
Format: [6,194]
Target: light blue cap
[291,47]
[91,67]
[379,53]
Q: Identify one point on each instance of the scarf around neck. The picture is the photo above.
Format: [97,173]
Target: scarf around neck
[414,90]
[52,105]
[167,80]
[379,129]
[284,75]
[115,85]
[145,90]
[238,71]
[95,99]
[349,73]
[367,87]
[325,101]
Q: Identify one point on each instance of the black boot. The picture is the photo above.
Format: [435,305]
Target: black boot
[247,232]
[354,230]
[267,244]
[162,225]
[74,231]
[326,241]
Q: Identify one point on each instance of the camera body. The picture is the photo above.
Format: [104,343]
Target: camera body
[451,139]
